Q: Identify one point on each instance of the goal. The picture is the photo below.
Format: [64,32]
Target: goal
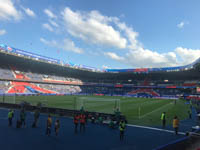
[8,98]
[93,104]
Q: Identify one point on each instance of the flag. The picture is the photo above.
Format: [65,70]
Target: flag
[9,48]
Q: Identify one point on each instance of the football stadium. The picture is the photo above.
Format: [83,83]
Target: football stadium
[139,97]
[99,75]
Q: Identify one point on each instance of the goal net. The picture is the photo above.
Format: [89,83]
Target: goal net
[8,98]
[93,104]
[33,100]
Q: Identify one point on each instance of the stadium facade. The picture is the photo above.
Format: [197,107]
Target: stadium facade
[23,72]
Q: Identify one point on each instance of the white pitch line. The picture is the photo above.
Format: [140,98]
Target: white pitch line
[157,129]
[153,111]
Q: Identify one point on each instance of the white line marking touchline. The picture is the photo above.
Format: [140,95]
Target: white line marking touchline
[157,129]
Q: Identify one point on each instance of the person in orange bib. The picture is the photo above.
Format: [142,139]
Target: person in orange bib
[82,122]
[76,121]
[176,124]
[49,124]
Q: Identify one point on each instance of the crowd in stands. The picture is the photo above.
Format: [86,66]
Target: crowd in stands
[30,88]
[61,89]
[13,73]
[43,77]
[6,73]
[33,76]
[6,86]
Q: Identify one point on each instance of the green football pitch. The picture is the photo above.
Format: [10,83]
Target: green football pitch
[140,111]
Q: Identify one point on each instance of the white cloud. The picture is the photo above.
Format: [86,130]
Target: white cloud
[130,34]
[70,46]
[8,11]
[181,24]
[48,27]
[93,27]
[147,58]
[49,13]
[29,12]
[53,23]
[2,32]
[105,67]
[187,55]
[113,56]
[66,44]
[51,43]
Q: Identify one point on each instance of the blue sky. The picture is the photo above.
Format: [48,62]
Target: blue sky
[105,34]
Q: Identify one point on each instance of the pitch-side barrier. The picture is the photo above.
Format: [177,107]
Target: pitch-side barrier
[50,110]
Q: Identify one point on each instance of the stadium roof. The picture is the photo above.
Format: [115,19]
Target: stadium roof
[22,53]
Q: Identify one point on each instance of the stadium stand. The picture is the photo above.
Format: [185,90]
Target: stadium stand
[28,72]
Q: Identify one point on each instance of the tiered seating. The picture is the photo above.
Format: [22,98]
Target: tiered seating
[13,73]
[42,90]
[189,84]
[147,91]
[62,89]
[26,87]
[57,79]
[17,89]
[6,73]
[21,87]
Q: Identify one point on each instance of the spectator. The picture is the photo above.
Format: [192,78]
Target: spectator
[82,122]
[111,124]
[122,127]
[57,126]
[23,117]
[10,117]
[176,124]
[49,123]
[36,117]
[76,121]
[163,119]
[189,114]
[100,119]
[93,119]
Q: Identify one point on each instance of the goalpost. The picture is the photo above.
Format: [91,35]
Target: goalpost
[104,105]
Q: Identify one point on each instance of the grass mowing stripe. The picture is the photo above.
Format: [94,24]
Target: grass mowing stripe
[154,111]
[134,112]
[136,106]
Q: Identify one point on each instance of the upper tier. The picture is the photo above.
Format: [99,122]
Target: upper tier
[29,62]
[37,57]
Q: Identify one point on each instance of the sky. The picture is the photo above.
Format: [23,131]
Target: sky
[117,34]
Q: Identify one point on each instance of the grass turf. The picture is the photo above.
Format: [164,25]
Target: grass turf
[141,111]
